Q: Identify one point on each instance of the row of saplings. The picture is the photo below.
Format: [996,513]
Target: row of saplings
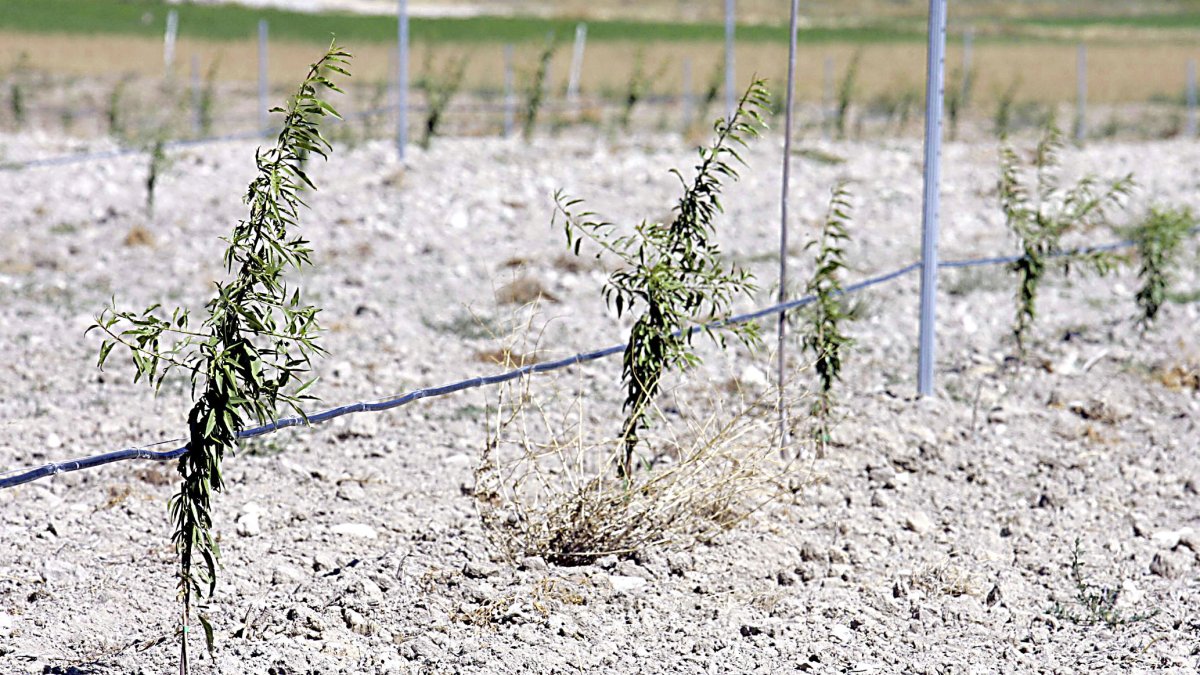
[570,496]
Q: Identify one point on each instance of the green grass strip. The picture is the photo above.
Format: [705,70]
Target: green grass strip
[234,22]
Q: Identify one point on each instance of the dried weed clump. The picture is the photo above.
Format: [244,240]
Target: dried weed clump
[548,487]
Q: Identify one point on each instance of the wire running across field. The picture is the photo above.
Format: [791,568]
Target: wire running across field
[20,477]
[483,108]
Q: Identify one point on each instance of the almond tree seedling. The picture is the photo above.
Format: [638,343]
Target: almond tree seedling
[1004,109]
[824,338]
[958,98]
[158,164]
[253,349]
[1158,239]
[639,85]
[1041,219]
[208,98]
[17,103]
[845,95]
[673,272]
[438,93]
[535,95]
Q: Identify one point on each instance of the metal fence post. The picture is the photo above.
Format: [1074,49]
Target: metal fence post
[730,69]
[1081,92]
[509,99]
[169,42]
[401,79]
[685,95]
[197,103]
[827,99]
[967,63]
[263,122]
[576,65]
[1191,98]
[934,94]
[783,224]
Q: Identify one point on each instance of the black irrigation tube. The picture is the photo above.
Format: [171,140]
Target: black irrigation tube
[145,452]
[432,392]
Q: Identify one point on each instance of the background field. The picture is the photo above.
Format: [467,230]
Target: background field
[1138,51]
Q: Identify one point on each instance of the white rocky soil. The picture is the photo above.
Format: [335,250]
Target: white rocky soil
[936,536]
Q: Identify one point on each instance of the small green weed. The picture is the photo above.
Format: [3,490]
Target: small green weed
[1094,604]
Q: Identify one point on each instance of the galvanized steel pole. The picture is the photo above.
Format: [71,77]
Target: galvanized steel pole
[730,70]
[576,65]
[783,225]
[967,63]
[263,105]
[169,43]
[827,98]
[197,97]
[401,78]
[685,96]
[1191,98]
[934,94]
[509,102]
[1081,92]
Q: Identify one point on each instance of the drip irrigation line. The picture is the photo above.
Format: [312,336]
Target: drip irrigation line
[14,478]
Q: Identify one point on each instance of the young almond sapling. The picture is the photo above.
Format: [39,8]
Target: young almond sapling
[1158,239]
[1041,218]
[673,272]
[254,348]
[824,338]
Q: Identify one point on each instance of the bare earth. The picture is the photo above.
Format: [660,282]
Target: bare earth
[936,537]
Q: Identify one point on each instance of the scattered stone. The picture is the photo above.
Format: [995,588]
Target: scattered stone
[6,625]
[358,530]
[809,552]
[918,522]
[606,562]
[248,524]
[884,475]
[841,633]
[878,500]
[558,625]
[351,491]
[1165,565]
[753,378]
[360,426]
[359,623]
[534,563]
[478,570]
[624,584]
[1169,539]
[286,574]
[993,596]
[785,578]
[323,562]
[680,562]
